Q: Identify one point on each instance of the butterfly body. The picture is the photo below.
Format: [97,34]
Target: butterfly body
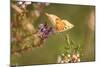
[60,26]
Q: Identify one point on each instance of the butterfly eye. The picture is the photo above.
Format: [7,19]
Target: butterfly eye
[65,27]
[57,18]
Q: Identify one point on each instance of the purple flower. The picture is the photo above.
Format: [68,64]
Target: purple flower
[45,31]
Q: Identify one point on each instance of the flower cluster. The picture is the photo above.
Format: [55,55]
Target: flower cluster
[74,58]
[71,52]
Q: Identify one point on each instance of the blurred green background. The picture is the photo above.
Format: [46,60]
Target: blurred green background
[75,14]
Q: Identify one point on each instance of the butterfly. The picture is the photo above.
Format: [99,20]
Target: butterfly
[59,24]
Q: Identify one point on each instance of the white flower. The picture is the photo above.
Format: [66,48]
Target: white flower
[74,56]
[28,2]
[20,3]
[78,59]
[68,55]
[62,61]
